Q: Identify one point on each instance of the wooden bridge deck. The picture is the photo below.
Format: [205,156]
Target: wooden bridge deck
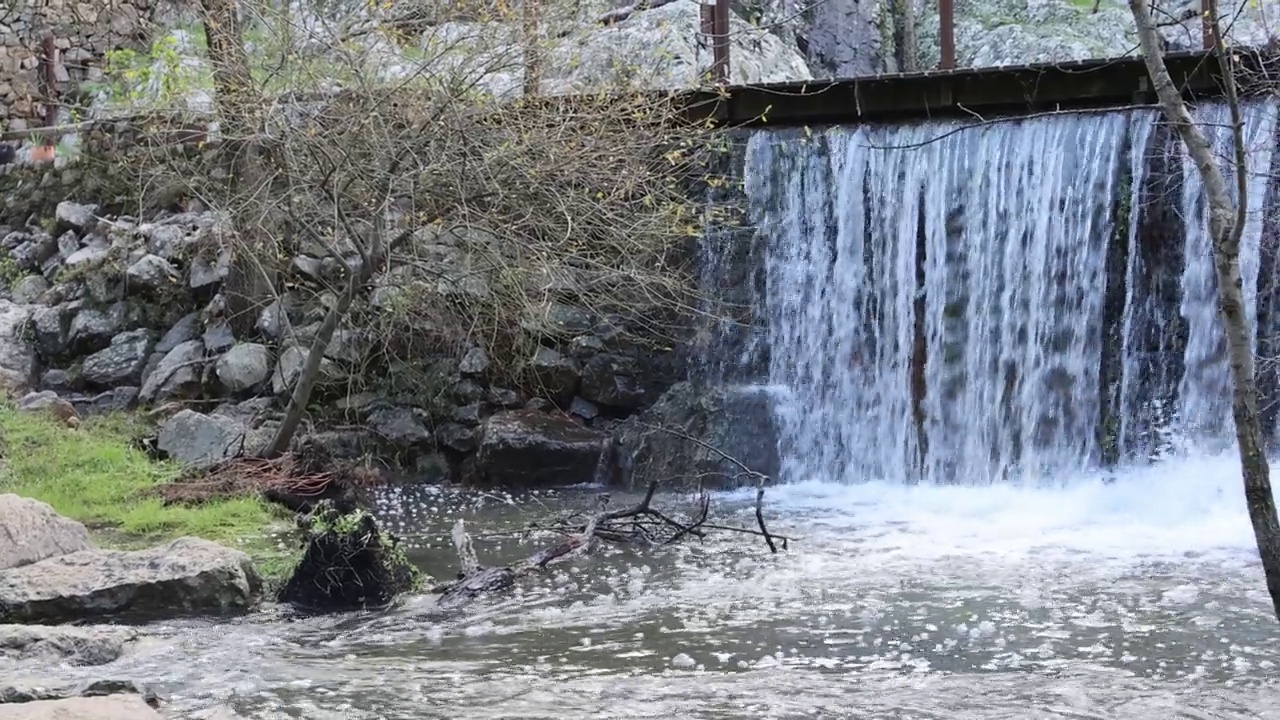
[967,92]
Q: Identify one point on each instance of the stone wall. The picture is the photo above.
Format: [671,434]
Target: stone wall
[85,31]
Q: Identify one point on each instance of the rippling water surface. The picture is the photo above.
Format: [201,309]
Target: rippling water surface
[1140,598]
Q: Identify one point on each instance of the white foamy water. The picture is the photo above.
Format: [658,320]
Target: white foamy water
[1189,506]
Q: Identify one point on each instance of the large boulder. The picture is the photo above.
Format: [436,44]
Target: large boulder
[529,448]
[197,439]
[687,434]
[30,531]
[107,707]
[17,355]
[75,645]
[189,576]
[75,215]
[611,381]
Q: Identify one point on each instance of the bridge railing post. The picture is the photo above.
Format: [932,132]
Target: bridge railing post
[715,27]
[947,34]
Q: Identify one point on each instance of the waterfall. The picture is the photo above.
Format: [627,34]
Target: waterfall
[988,304]
[1204,408]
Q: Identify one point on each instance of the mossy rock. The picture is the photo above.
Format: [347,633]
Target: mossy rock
[348,564]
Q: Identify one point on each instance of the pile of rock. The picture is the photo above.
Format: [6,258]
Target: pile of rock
[109,313]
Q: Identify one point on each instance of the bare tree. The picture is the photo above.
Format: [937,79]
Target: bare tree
[436,206]
[1226,223]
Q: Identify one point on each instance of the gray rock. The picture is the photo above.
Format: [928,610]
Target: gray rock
[68,243]
[30,531]
[246,411]
[121,362]
[178,374]
[186,329]
[57,380]
[342,444]
[400,426]
[18,364]
[553,374]
[32,691]
[432,468]
[168,241]
[504,398]
[108,707]
[608,380]
[185,577]
[151,272]
[199,440]
[524,448]
[218,337]
[288,369]
[244,367]
[29,289]
[459,438]
[80,217]
[207,271]
[307,267]
[117,399]
[474,362]
[469,414]
[584,346]
[49,326]
[584,409]
[467,391]
[32,254]
[738,423]
[75,645]
[555,319]
[539,404]
[38,401]
[87,257]
[92,329]
[273,323]
[345,346]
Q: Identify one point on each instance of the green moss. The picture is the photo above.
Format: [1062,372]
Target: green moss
[94,475]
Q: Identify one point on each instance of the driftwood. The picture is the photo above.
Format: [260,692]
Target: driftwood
[640,524]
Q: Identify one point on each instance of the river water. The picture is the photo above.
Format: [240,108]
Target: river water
[1135,597]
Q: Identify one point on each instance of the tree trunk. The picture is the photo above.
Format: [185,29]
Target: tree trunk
[371,262]
[1226,222]
[249,282]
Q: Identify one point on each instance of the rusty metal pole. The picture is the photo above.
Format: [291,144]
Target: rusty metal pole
[947,31]
[532,52]
[1206,25]
[720,43]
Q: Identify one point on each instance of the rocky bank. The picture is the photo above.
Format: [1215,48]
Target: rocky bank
[112,313]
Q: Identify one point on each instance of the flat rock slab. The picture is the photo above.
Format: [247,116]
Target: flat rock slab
[30,531]
[110,707]
[189,576]
[77,645]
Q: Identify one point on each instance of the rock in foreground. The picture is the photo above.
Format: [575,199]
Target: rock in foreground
[77,645]
[189,576]
[30,531]
[110,707]
[533,449]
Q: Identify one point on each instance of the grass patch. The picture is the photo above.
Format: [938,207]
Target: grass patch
[94,475]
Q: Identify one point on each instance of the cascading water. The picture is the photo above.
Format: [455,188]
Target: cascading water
[937,298]
[1204,408]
